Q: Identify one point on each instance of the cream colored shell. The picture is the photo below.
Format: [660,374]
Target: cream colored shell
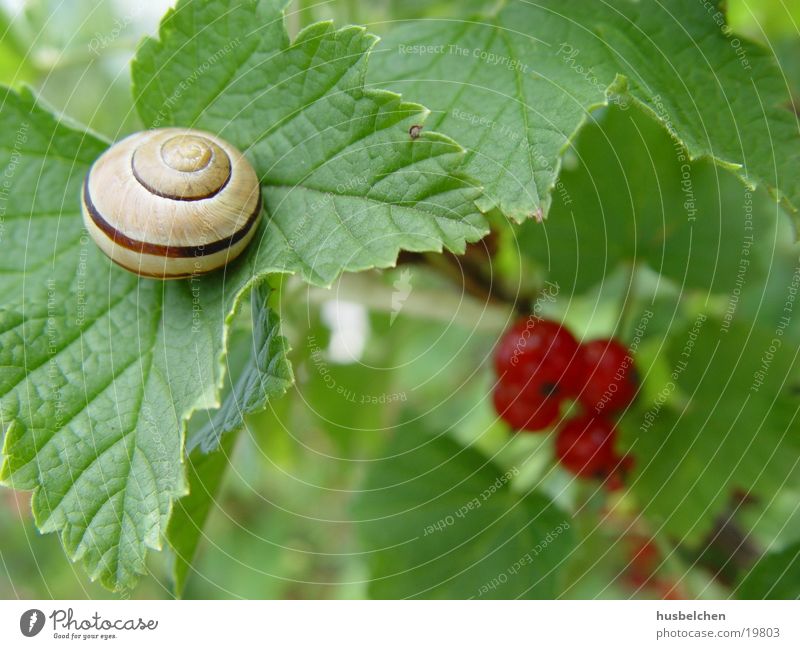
[171,203]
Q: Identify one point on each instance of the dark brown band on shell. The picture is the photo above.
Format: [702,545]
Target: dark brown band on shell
[172,197]
[160,250]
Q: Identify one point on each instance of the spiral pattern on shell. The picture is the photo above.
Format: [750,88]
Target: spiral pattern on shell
[171,203]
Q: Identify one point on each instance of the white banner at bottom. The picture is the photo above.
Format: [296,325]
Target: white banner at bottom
[332,624]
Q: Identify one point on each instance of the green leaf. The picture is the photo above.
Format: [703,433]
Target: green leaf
[345,187]
[515,86]
[775,576]
[723,420]
[440,521]
[630,195]
[97,369]
[265,375]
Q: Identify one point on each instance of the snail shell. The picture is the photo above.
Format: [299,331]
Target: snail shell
[171,203]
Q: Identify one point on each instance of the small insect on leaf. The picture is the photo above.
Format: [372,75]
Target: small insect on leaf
[414,131]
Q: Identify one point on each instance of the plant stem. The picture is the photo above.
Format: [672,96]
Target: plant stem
[370,290]
[629,301]
[472,271]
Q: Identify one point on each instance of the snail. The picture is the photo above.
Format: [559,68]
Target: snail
[171,203]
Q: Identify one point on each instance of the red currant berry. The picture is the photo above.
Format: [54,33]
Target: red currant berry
[645,560]
[614,482]
[524,409]
[610,380]
[619,474]
[585,446]
[539,349]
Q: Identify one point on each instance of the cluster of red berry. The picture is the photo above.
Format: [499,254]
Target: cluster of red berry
[539,366]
